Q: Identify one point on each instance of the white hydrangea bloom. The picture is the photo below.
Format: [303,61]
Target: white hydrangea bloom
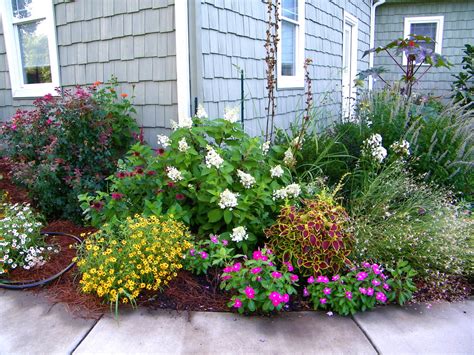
[289,158]
[246,179]
[165,141]
[174,174]
[276,171]
[280,194]
[231,114]
[291,191]
[266,147]
[228,199]
[213,158]
[201,113]
[186,122]
[239,234]
[183,145]
[373,148]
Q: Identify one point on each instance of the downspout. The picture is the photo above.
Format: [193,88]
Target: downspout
[372,38]
[182,60]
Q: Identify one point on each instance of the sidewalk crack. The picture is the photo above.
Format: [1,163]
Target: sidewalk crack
[366,335]
[85,335]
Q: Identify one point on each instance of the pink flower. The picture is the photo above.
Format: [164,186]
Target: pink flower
[237,303]
[327,291]
[380,296]
[226,277]
[236,267]
[362,290]
[214,239]
[180,197]
[276,303]
[276,274]
[285,298]
[275,298]
[376,282]
[228,269]
[192,252]
[323,300]
[289,266]
[361,276]
[310,279]
[116,196]
[259,278]
[322,279]
[257,255]
[225,242]
[305,292]
[365,264]
[386,287]
[349,295]
[250,292]
[294,277]
[256,270]
[335,278]
[265,258]
[370,291]
[375,269]
[204,255]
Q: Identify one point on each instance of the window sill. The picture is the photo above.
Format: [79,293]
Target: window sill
[34,91]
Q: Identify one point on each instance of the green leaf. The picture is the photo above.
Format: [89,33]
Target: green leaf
[214,215]
[227,216]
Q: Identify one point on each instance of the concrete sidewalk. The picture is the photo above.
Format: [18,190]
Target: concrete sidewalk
[29,325]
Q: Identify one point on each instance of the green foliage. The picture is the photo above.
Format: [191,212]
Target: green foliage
[398,217]
[316,238]
[212,252]
[362,288]
[209,173]
[463,86]
[68,144]
[258,285]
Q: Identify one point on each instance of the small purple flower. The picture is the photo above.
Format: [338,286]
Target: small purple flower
[349,295]
[335,278]
[204,255]
[192,252]
[376,282]
[214,239]
[237,303]
[362,290]
[294,277]
[365,264]
[376,269]
[305,292]
[370,291]
[380,296]
[228,269]
[361,276]
[236,267]
[276,274]
[327,291]
[322,279]
[256,270]
[386,287]
[225,242]
[285,298]
[323,300]
[310,279]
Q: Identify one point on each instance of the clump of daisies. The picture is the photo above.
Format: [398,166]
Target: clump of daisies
[21,243]
[373,149]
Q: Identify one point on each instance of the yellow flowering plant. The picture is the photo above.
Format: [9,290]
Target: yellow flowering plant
[129,256]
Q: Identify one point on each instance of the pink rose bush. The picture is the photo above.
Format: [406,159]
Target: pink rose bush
[257,283]
[361,289]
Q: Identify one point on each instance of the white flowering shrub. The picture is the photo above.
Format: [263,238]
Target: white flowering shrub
[21,244]
[208,173]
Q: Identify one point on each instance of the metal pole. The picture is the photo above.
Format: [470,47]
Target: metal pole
[242,117]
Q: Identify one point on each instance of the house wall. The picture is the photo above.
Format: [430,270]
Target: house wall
[458,30]
[233,35]
[131,39]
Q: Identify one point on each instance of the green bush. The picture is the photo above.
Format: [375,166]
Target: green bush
[208,173]
[463,86]
[68,144]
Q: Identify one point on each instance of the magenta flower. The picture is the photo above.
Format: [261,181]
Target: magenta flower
[370,291]
[236,267]
[226,277]
[294,277]
[327,291]
[289,266]
[322,279]
[276,274]
[225,242]
[349,295]
[335,278]
[275,298]
[365,264]
[228,269]
[386,287]
[362,290]
[204,255]
[323,300]
[310,279]
[250,292]
[376,282]
[285,298]
[305,292]
[256,270]
[257,255]
[265,258]
[380,296]
[214,239]
[259,278]
[116,196]
[361,276]
[237,303]
[192,252]
[375,269]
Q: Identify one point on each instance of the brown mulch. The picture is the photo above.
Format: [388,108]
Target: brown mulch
[15,194]
[444,288]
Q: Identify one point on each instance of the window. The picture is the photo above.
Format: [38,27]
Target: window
[350,40]
[291,49]
[429,26]
[30,40]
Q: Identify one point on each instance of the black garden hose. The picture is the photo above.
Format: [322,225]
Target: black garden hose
[20,285]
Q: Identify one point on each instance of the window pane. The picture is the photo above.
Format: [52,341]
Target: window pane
[23,9]
[427,30]
[290,9]
[288,48]
[34,53]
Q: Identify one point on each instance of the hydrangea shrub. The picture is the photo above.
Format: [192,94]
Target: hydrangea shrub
[258,284]
[315,237]
[123,259]
[208,173]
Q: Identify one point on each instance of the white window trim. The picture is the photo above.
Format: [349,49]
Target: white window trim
[354,22]
[439,20]
[12,45]
[296,81]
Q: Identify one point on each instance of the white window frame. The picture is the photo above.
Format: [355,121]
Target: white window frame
[354,22]
[439,20]
[12,44]
[295,81]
